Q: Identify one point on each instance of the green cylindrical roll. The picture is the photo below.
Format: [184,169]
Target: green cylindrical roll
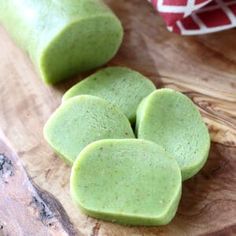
[63,37]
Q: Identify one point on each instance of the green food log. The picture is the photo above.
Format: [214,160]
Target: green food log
[63,37]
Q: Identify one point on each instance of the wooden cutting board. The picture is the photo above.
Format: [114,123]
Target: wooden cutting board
[203,67]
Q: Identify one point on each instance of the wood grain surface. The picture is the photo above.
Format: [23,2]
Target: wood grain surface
[25,209]
[203,67]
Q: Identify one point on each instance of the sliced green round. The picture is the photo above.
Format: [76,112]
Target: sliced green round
[121,86]
[82,120]
[171,120]
[129,181]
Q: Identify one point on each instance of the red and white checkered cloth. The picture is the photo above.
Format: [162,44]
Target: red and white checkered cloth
[189,17]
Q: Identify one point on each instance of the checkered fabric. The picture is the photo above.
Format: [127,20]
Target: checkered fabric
[190,17]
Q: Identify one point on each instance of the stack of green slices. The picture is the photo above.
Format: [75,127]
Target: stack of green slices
[119,175]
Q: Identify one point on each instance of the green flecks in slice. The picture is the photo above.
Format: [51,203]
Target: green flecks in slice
[128,181]
[121,86]
[170,119]
[82,120]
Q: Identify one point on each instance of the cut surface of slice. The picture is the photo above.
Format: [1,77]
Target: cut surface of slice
[82,120]
[121,86]
[129,181]
[170,119]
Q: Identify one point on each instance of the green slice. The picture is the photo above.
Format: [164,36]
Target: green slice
[129,181]
[170,119]
[121,86]
[82,120]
